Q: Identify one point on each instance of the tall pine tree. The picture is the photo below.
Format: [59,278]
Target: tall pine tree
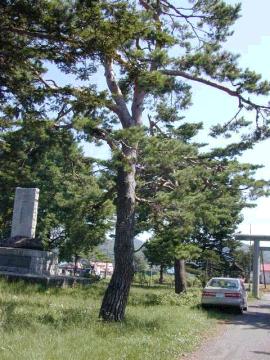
[148,52]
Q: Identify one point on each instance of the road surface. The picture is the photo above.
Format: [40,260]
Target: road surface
[244,337]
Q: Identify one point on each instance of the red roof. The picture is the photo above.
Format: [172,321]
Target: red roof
[266,267]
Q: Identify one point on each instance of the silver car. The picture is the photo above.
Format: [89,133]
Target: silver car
[225,292]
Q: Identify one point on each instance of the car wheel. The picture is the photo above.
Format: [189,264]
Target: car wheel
[240,310]
[245,308]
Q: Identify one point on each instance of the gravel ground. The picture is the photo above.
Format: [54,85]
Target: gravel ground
[244,337]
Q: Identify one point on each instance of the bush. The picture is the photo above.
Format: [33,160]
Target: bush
[194,282]
[143,278]
[190,298]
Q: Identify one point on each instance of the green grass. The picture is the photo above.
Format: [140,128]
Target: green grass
[56,324]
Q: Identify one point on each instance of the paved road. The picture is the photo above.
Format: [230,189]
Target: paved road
[245,337]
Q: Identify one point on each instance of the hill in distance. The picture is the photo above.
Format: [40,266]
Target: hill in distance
[107,247]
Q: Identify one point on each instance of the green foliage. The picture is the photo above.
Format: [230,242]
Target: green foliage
[159,252]
[244,258]
[140,263]
[69,217]
[97,255]
[192,202]
[191,298]
[142,39]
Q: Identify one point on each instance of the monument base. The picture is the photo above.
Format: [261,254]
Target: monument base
[47,281]
[28,261]
[22,242]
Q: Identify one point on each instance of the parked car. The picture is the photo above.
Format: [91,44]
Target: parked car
[225,292]
[86,272]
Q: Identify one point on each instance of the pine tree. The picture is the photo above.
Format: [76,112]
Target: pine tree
[191,201]
[150,52]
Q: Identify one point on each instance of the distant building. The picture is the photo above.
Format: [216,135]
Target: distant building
[102,269]
[266,269]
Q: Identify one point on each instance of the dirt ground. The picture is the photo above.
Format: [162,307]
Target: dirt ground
[244,337]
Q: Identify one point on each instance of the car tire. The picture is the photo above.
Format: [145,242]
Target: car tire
[245,308]
[240,310]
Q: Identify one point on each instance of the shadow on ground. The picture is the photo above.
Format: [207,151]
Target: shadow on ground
[261,352]
[257,316]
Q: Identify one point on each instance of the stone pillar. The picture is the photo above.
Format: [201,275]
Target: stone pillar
[256,269]
[25,209]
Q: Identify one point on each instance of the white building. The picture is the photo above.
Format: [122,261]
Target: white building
[266,268]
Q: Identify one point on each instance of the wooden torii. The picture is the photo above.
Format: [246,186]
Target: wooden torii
[256,257]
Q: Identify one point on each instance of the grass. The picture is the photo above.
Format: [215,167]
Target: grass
[56,324]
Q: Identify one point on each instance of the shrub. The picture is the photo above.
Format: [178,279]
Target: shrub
[189,298]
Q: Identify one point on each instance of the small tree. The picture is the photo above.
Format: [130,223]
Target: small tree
[159,252]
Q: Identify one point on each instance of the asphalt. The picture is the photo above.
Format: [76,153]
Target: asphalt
[244,337]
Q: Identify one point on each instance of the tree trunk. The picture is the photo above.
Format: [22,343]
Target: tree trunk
[180,276]
[161,271]
[115,298]
[75,264]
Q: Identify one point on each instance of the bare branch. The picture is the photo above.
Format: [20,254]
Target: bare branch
[142,200]
[63,112]
[178,13]
[223,88]
[46,82]
[117,95]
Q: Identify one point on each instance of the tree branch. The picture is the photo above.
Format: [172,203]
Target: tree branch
[142,200]
[137,104]
[142,246]
[147,7]
[210,83]
[117,95]
[39,34]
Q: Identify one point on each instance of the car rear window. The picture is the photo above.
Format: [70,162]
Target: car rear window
[223,283]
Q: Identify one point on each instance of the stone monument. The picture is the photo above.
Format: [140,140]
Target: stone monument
[22,253]
[25,209]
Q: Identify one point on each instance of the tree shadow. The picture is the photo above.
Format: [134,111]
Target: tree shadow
[216,311]
[254,320]
[262,352]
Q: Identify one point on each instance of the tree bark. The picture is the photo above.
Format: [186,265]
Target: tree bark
[180,276]
[115,298]
[161,271]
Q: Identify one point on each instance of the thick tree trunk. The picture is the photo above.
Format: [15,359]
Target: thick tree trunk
[161,272]
[180,276]
[115,298]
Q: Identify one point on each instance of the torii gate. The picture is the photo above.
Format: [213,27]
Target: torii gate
[256,258]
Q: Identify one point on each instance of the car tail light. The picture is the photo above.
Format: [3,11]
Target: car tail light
[208,293]
[232,294]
